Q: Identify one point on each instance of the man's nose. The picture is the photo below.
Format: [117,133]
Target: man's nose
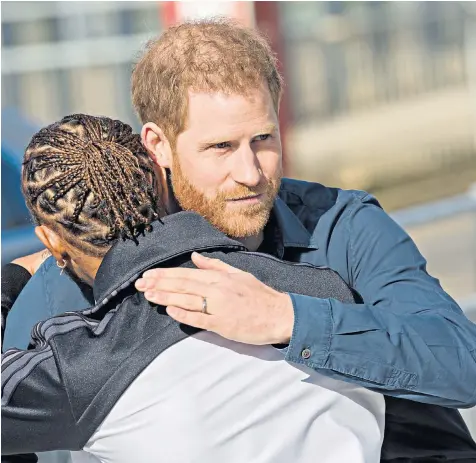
[246,168]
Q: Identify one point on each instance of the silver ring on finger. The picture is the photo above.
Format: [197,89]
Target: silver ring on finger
[204,305]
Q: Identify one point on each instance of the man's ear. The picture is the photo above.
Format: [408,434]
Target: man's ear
[157,145]
[52,242]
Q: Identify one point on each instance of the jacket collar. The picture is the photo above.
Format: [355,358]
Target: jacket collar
[180,234]
[293,232]
[175,235]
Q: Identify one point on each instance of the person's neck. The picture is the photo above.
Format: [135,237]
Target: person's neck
[87,269]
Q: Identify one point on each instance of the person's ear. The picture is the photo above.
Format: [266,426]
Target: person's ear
[157,145]
[52,242]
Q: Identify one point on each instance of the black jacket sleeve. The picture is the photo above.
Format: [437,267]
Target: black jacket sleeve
[33,391]
[14,279]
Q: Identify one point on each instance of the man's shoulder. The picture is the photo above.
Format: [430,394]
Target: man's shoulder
[315,197]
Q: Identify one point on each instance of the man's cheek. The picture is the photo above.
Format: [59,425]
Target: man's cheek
[209,177]
[272,170]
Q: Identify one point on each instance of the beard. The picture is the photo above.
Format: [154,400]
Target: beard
[236,221]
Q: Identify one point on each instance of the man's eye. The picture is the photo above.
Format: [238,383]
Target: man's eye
[263,137]
[222,145]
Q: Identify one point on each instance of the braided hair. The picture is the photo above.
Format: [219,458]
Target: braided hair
[90,179]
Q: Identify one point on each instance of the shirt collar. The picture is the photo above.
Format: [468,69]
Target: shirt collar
[293,232]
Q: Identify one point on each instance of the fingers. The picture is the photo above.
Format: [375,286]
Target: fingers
[205,277]
[173,285]
[206,263]
[209,271]
[196,319]
[184,301]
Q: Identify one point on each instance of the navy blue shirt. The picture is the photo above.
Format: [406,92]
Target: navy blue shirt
[47,293]
[409,339]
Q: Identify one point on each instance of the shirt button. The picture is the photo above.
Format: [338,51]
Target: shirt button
[306,353]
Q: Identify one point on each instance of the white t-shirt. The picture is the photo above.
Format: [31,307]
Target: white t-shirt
[207,399]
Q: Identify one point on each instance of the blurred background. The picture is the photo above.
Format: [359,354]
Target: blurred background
[379,96]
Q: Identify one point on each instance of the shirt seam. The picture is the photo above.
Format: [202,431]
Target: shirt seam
[392,380]
[395,371]
[361,201]
[351,247]
[473,397]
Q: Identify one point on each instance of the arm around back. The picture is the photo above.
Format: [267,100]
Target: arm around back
[409,339]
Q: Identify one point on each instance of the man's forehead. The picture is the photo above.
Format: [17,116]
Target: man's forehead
[215,114]
[258,95]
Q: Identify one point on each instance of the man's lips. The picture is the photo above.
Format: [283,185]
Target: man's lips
[247,198]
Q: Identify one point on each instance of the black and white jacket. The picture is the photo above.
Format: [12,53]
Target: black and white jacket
[55,395]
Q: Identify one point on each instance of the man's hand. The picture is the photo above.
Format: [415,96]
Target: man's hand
[238,306]
[32,262]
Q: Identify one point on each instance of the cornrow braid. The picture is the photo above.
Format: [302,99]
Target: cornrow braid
[90,179]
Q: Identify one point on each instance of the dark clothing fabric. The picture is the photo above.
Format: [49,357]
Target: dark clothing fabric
[19,289]
[14,279]
[46,294]
[56,395]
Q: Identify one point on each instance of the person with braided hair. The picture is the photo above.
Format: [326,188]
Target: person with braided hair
[100,211]
[88,182]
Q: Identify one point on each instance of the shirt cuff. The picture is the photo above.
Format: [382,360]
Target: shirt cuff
[312,332]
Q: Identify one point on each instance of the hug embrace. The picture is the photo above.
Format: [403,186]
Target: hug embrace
[197,306]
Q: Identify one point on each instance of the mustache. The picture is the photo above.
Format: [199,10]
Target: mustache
[243,192]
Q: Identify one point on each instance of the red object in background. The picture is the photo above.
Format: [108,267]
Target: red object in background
[174,12]
[168,13]
[263,15]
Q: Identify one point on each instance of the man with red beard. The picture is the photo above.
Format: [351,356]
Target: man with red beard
[208,95]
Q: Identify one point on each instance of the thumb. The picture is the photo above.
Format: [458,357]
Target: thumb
[207,263]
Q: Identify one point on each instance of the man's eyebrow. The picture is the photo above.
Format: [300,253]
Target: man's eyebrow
[268,128]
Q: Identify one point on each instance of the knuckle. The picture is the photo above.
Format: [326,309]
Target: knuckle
[213,292]
[181,316]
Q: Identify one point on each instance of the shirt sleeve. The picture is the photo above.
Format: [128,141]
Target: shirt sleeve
[36,413]
[409,339]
